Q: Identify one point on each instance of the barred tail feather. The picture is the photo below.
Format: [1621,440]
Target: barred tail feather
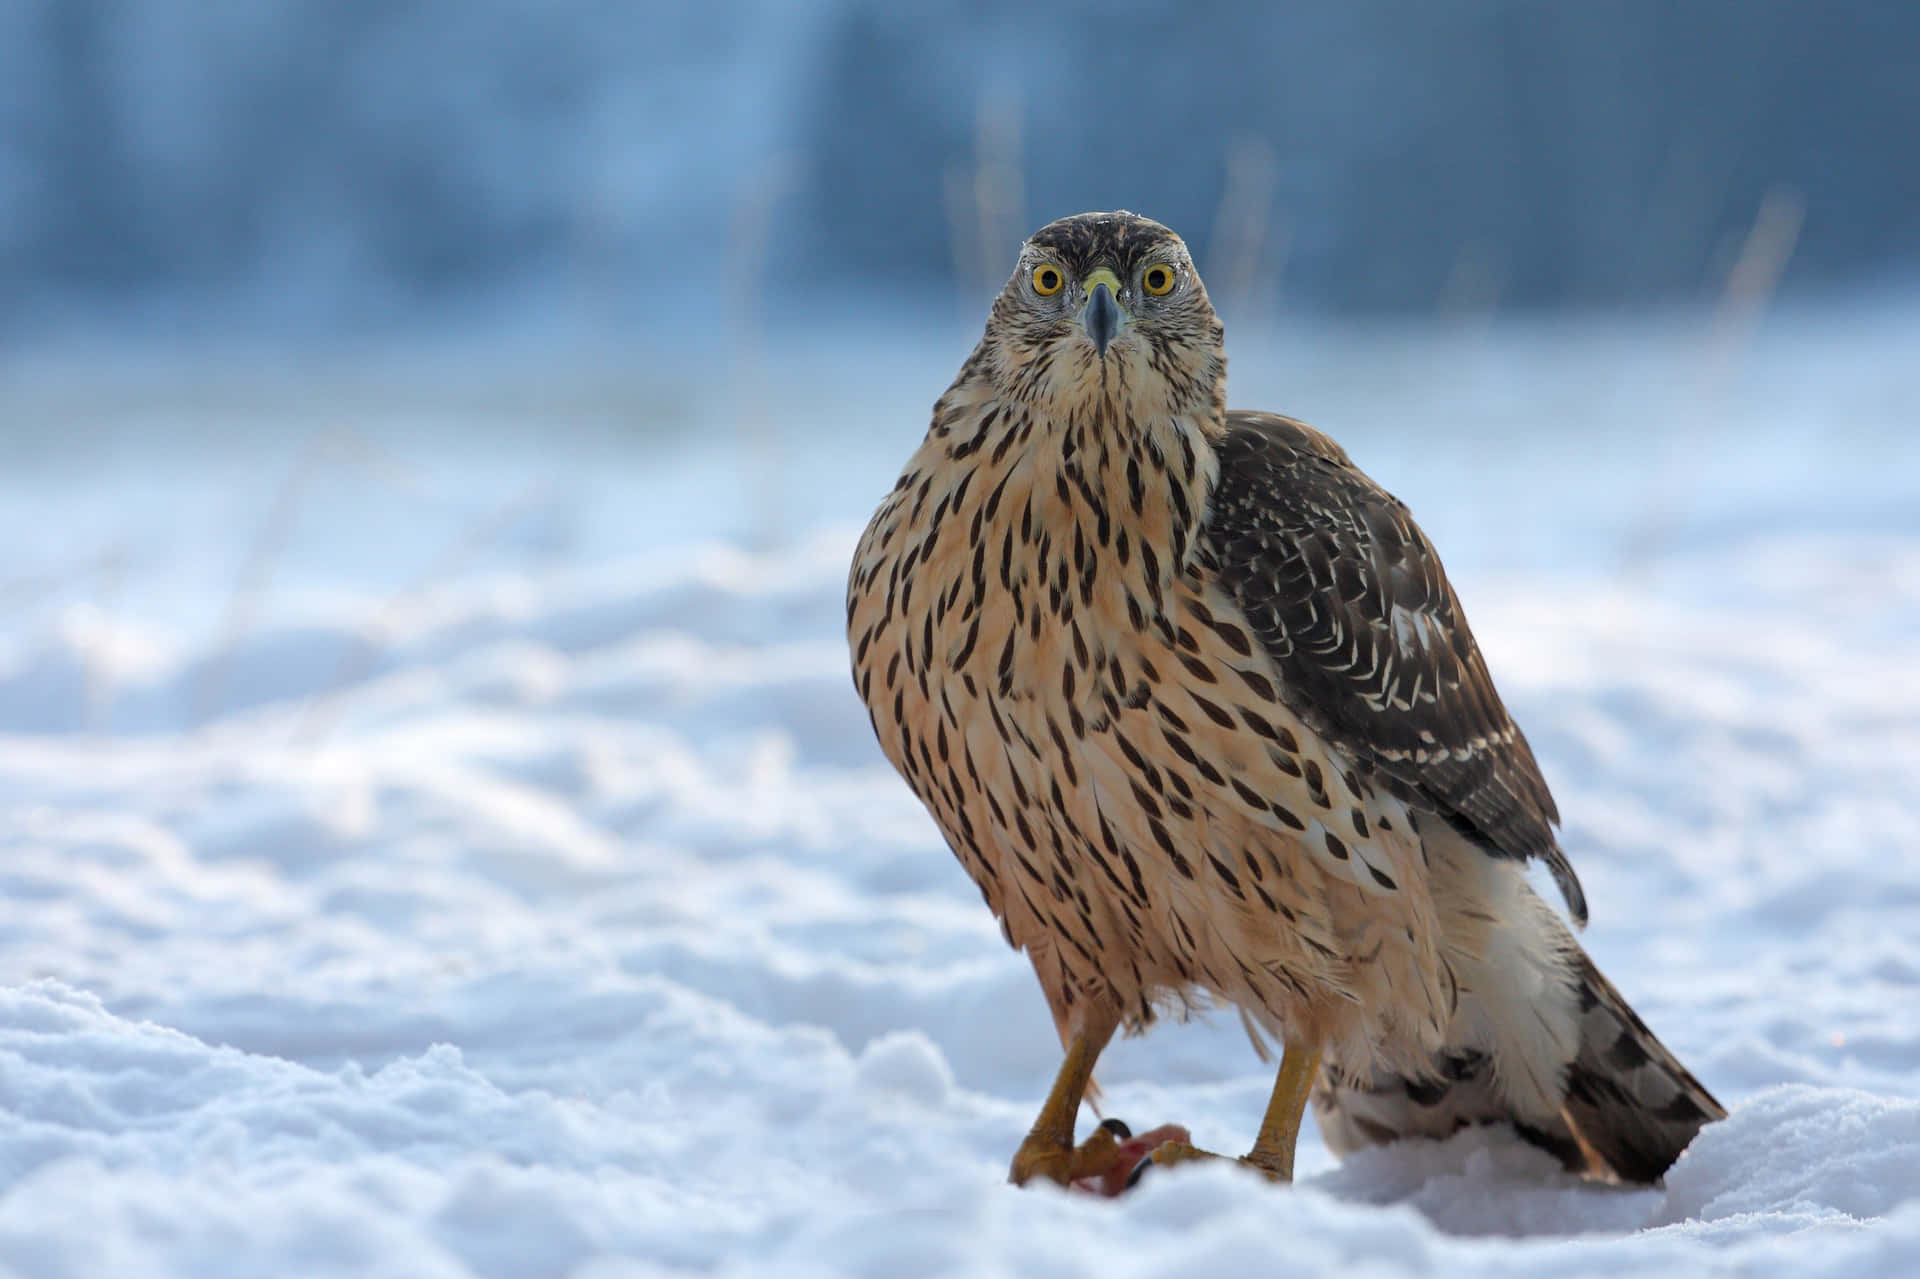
[1630,1100]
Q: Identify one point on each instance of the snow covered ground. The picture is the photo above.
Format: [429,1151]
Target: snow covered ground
[440,837]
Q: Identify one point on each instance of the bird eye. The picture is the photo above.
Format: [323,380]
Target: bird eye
[1158,280]
[1047,280]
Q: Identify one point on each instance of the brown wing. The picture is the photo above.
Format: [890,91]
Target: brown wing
[1351,603]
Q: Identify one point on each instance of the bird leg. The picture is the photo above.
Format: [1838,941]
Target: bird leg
[1048,1150]
[1272,1152]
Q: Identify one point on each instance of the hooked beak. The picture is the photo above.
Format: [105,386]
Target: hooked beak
[1102,317]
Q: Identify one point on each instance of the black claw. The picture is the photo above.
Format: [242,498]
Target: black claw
[1118,1128]
[1139,1171]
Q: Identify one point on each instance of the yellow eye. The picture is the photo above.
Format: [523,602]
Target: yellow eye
[1047,280]
[1158,280]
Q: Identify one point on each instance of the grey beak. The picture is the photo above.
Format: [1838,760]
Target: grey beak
[1101,319]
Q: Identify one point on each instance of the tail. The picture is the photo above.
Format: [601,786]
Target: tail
[1628,1098]
[1540,1040]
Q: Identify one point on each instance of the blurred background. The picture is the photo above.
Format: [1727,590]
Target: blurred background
[357,294]
[326,167]
[433,434]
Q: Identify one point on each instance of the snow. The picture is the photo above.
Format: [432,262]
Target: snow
[441,839]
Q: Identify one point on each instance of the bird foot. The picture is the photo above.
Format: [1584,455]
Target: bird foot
[1104,1164]
[1180,1152]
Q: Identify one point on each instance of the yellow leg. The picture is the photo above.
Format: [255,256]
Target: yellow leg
[1272,1151]
[1048,1150]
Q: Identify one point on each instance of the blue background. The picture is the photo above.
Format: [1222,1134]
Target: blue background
[303,166]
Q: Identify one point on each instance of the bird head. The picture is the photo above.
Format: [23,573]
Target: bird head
[1106,309]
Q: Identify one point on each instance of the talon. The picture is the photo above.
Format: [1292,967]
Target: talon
[1179,1152]
[1118,1128]
[1139,1171]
